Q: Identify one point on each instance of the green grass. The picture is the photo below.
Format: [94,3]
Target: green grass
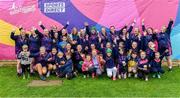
[167,86]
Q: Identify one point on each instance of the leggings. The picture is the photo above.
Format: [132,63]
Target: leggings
[25,68]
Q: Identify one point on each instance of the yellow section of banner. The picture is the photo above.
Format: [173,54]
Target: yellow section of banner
[5,31]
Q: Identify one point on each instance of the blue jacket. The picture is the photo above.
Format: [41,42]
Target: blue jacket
[42,59]
[110,62]
[164,38]
[35,43]
[19,41]
[47,42]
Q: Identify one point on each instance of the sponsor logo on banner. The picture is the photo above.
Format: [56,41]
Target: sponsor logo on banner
[54,7]
[21,9]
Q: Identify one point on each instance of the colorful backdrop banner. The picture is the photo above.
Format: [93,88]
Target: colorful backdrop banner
[96,12]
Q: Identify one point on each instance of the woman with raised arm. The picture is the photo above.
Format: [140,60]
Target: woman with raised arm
[34,45]
[164,42]
[20,40]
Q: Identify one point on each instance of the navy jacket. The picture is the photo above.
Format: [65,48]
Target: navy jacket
[19,41]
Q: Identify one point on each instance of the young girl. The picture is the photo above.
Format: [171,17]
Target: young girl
[62,44]
[156,68]
[96,62]
[60,61]
[87,67]
[113,49]
[122,64]
[51,61]
[66,69]
[110,65]
[25,61]
[132,64]
[102,63]
[143,66]
[150,51]
[41,63]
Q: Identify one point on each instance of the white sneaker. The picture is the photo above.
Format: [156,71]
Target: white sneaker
[75,73]
[158,76]
[129,74]
[48,74]
[84,76]
[146,79]
[125,76]
[154,76]
[135,76]
[119,76]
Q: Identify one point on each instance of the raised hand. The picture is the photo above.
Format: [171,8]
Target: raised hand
[67,22]
[135,21]
[49,59]
[171,19]
[156,30]
[20,26]
[166,50]
[14,29]
[143,21]
[40,23]
[33,28]
[86,24]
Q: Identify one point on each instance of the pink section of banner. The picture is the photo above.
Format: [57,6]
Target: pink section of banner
[157,12]
[93,11]
[26,19]
[7,52]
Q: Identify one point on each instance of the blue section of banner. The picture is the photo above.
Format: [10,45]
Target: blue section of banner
[178,15]
[71,14]
[175,36]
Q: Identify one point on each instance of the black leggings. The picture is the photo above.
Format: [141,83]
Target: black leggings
[25,68]
[89,72]
[86,73]
[143,73]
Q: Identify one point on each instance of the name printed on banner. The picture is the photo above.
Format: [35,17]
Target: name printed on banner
[21,9]
[54,7]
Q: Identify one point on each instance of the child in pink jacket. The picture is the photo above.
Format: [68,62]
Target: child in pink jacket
[88,67]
